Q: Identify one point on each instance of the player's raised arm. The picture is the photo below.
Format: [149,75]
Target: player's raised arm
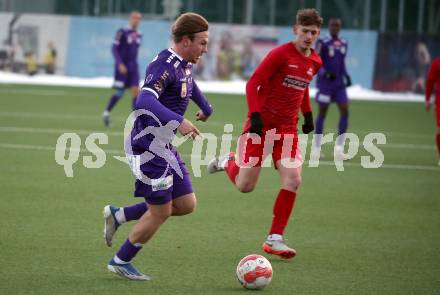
[201,101]
[158,79]
[262,73]
[148,101]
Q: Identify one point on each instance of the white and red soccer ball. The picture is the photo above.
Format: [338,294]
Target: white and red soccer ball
[254,272]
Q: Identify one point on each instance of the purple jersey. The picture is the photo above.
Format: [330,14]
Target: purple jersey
[169,79]
[160,173]
[126,46]
[333,52]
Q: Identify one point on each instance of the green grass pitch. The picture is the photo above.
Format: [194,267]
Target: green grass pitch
[361,231]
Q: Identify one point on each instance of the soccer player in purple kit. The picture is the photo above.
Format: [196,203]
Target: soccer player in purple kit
[125,51]
[332,81]
[165,95]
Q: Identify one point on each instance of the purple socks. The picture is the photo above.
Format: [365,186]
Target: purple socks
[135,212]
[342,128]
[113,100]
[128,251]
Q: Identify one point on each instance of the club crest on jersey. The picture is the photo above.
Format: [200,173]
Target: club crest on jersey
[184,90]
[188,71]
[310,72]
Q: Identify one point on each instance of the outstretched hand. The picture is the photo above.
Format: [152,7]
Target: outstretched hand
[186,127]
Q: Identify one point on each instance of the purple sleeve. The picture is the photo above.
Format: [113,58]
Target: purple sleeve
[200,100]
[147,100]
[116,46]
[344,67]
[318,48]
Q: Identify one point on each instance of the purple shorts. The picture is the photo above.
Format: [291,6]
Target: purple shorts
[161,182]
[131,79]
[326,96]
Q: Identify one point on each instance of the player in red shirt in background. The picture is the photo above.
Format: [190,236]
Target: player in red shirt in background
[434,79]
[275,93]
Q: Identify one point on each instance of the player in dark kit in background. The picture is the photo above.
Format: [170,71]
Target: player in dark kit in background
[332,81]
[125,52]
[434,79]
[161,176]
[276,92]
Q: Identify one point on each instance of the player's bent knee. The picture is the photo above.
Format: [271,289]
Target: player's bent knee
[184,205]
[292,183]
[245,187]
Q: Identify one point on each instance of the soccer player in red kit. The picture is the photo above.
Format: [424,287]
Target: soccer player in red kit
[275,93]
[434,79]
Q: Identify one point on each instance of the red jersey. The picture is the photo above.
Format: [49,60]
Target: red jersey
[279,87]
[433,79]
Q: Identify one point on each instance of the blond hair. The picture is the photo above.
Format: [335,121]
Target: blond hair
[188,24]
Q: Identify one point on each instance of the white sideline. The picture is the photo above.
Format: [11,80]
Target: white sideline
[120,153]
[355,92]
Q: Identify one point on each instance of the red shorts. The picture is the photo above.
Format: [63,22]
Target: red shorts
[252,150]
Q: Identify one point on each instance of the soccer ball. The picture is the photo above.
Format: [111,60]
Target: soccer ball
[254,272]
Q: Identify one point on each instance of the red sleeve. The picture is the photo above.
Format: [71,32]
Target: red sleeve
[306,107]
[434,75]
[262,73]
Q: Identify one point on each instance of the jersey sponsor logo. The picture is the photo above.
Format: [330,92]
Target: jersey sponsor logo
[159,84]
[295,82]
[162,184]
[184,90]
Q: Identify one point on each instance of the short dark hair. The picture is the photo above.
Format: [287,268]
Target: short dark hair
[188,24]
[309,17]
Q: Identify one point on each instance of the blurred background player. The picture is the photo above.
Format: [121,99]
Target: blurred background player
[125,51]
[275,93]
[434,79]
[50,59]
[332,81]
[166,92]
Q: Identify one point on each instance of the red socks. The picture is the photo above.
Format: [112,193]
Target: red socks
[281,211]
[232,168]
[438,143]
